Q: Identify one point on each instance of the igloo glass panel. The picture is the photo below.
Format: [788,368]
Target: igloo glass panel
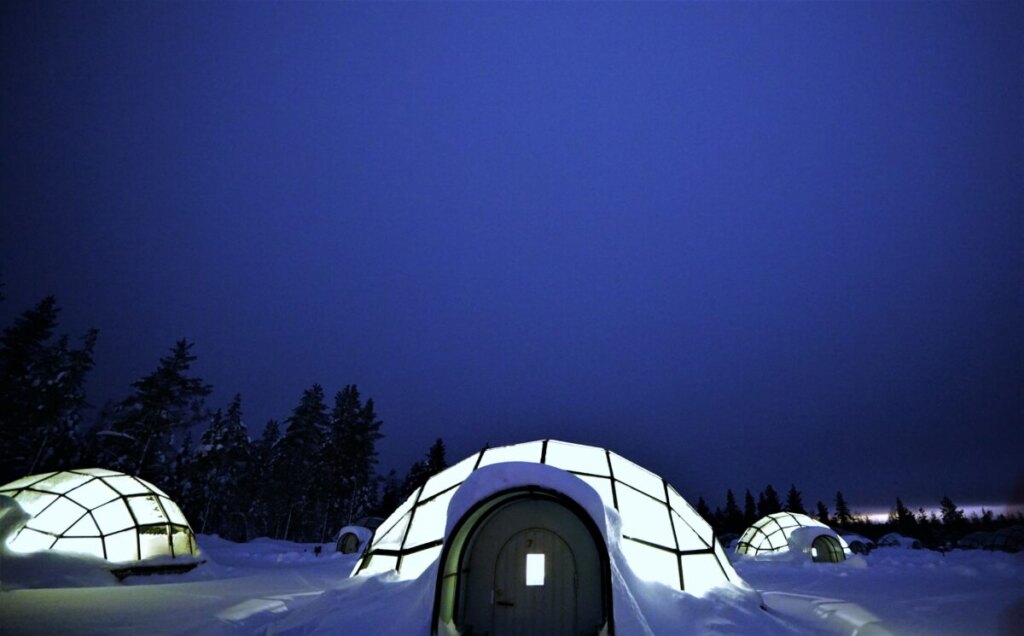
[628,472]
[723,561]
[24,482]
[603,486]
[91,547]
[174,513]
[34,502]
[701,573]
[452,476]
[429,521]
[146,509]
[573,457]
[181,542]
[644,518]
[529,452]
[60,483]
[380,563]
[154,541]
[58,516]
[388,524]
[687,538]
[414,564]
[93,494]
[775,541]
[122,546]
[113,517]
[29,540]
[651,564]
[392,540]
[126,485]
[85,527]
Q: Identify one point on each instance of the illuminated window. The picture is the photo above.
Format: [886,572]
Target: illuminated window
[534,570]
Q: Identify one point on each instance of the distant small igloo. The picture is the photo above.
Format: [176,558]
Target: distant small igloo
[897,540]
[774,533]
[102,513]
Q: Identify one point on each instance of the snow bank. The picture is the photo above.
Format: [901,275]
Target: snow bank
[44,569]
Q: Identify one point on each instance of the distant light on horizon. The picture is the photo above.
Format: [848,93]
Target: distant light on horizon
[880,516]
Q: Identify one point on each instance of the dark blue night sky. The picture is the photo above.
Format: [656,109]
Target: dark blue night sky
[739,243]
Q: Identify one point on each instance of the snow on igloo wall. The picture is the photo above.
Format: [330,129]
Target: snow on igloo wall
[663,537]
[771,533]
[101,513]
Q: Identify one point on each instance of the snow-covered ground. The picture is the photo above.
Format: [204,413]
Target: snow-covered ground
[277,587]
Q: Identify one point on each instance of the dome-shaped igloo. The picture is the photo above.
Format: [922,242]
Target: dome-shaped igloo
[521,533]
[774,533]
[103,513]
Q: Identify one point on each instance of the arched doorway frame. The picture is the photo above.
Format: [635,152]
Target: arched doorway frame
[452,560]
[833,550]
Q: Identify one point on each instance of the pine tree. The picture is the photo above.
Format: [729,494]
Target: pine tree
[702,508]
[421,471]
[902,518]
[952,517]
[350,456]
[823,513]
[769,503]
[794,502]
[297,468]
[42,394]
[392,496]
[749,509]
[732,518]
[264,494]
[221,465]
[843,516]
[144,426]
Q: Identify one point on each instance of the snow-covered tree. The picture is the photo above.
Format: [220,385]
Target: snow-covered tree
[350,456]
[218,473]
[42,393]
[297,470]
[144,431]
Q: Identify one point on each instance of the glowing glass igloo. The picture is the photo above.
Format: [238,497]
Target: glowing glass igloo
[103,513]
[662,537]
[771,534]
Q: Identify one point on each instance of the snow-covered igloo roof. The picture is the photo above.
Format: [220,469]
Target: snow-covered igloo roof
[102,513]
[661,536]
[771,533]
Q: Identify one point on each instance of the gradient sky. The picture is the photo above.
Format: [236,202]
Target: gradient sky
[738,243]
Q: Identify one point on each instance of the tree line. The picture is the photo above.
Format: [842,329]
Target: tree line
[301,480]
[934,530]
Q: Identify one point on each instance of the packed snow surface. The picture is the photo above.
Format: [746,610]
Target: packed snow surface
[277,587]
